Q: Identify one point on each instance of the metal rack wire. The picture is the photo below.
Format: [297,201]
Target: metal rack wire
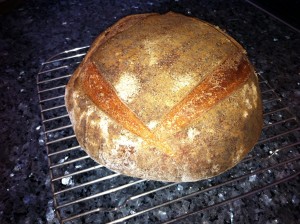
[85,191]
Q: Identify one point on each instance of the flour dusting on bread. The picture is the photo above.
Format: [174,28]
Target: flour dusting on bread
[192,133]
[152,124]
[182,81]
[104,123]
[127,87]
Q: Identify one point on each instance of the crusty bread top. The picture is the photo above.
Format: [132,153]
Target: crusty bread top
[137,66]
[169,52]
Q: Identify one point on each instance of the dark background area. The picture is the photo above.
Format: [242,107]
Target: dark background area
[287,10]
[32,31]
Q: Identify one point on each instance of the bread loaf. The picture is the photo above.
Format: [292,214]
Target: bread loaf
[165,97]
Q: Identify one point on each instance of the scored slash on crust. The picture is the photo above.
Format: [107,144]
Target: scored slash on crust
[214,88]
[105,98]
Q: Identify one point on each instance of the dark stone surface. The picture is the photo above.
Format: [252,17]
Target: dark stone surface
[288,11]
[36,30]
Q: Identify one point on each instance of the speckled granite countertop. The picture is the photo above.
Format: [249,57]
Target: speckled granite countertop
[36,30]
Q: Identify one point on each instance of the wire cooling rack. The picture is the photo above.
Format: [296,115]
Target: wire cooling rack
[86,192]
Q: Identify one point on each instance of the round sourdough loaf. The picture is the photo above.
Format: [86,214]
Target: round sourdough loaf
[165,97]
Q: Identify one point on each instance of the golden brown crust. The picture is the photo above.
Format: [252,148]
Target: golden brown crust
[180,104]
[214,88]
